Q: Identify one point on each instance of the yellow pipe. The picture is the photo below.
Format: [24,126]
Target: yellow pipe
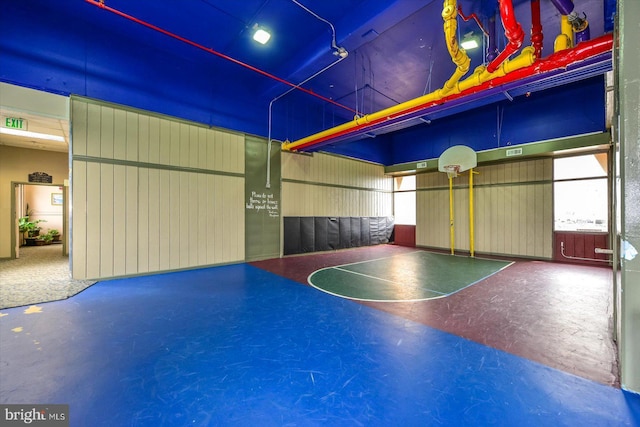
[451,87]
[480,75]
[565,38]
[458,55]
[451,229]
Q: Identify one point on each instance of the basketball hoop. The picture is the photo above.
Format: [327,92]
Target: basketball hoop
[451,170]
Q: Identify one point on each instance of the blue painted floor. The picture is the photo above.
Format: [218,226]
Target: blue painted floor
[239,346]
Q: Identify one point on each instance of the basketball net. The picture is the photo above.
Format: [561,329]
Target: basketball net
[452,170]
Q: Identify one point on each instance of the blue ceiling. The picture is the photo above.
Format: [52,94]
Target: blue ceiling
[396,53]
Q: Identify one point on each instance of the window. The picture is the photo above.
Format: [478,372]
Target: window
[404,200]
[581,193]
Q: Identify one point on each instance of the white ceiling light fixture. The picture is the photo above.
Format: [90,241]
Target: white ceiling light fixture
[469,42]
[28,134]
[261,35]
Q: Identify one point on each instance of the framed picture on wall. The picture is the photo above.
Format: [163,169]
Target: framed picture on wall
[56,198]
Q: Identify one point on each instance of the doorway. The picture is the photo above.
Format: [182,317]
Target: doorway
[582,209]
[41,217]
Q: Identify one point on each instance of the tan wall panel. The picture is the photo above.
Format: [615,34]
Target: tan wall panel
[143,139]
[200,221]
[512,209]
[94,130]
[118,228]
[119,126]
[105,217]
[202,148]
[301,199]
[134,198]
[79,117]
[106,132]
[143,220]
[175,246]
[133,136]
[153,223]
[79,239]
[321,191]
[328,169]
[164,223]
[92,212]
[136,218]
[185,144]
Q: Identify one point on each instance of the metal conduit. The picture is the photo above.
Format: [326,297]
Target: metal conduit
[338,51]
[101,5]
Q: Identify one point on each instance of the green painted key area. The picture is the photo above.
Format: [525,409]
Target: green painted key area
[408,277]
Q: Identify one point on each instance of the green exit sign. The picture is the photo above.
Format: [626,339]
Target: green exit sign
[14,123]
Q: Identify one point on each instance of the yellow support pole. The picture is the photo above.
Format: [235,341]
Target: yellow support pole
[451,230]
[471,230]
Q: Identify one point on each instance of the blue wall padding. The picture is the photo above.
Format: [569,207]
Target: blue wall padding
[309,234]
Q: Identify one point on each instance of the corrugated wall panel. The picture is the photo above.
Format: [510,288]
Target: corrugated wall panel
[117,207]
[79,236]
[119,134]
[92,233]
[145,195]
[134,199]
[326,185]
[143,220]
[106,133]
[133,137]
[93,130]
[512,209]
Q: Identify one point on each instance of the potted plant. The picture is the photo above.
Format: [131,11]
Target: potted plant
[46,238]
[55,234]
[31,229]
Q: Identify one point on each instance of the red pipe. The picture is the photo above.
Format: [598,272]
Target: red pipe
[536,28]
[100,4]
[553,62]
[513,31]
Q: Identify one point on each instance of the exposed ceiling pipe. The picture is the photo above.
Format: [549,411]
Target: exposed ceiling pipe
[339,51]
[513,32]
[453,84]
[536,29]
[556,62]
[341,58]
[486,39]
[101,5]
[473,16]
[571,19]
[492,49]
[458,55]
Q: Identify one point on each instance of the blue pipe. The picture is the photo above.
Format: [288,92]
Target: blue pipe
[583,35]
[580,25]
[492,49]
[564,6]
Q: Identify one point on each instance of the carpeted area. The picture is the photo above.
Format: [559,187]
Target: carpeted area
[41,274]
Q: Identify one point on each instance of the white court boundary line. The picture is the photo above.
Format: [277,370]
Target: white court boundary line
[337,267]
